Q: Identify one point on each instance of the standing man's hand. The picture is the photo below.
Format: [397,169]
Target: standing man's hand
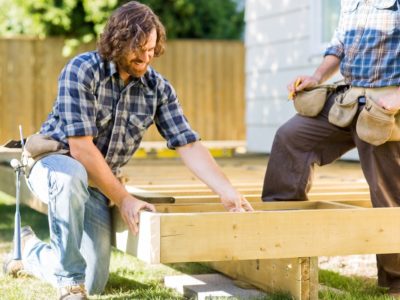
[391,102]
[300,83]
[235,202]
[130,208]
[326,69]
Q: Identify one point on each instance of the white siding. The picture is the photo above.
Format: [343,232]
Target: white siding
[278,48]
[277,42]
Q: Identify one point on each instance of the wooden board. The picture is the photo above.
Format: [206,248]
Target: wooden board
[297,276]
[257,197]
[197,227]
[223,236]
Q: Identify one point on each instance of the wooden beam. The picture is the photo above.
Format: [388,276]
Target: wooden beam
[275,234]
[188,185]
[151,197]
[244,190]
[297,276]
[336,185]
[337,204]
[259,206]
[146,245]
[360,203]
[257,197]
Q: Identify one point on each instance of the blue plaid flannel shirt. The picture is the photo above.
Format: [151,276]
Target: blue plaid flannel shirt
[367,41]
[93,101]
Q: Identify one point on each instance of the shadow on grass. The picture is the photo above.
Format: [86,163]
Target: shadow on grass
[119,287]
[30,217]
[117,282]
[191,268]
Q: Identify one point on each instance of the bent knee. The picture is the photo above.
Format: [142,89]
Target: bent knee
[67,176]
[72,172]
[285,133]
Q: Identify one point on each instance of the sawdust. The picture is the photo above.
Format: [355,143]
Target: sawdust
[352,265]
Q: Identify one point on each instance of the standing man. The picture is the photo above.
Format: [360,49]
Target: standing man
[366,48]
[106,101]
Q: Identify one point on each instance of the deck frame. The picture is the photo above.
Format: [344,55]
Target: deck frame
[245,246]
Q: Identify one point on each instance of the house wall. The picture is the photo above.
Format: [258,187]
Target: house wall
[280,45]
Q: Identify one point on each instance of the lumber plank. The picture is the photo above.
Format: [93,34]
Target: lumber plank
[278,234]
[257,197]
[259,206]
[151,197]
[246,190]
[195,188]
[146,245]
[360,203]
[337,204]
[297,276]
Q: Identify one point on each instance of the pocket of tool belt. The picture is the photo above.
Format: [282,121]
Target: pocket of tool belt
[376,125]
[38,146]
[310,102]
[343,109]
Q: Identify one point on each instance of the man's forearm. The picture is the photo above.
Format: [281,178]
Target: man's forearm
[100,174]
[199,160]
[327,68]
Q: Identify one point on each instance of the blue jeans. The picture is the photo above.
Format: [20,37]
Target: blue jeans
[79,223]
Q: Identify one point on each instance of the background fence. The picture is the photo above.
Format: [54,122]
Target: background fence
[207,75]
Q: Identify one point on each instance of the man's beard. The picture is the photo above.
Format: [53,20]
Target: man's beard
[127,67]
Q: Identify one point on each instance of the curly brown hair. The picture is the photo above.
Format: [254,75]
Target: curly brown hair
[128,28]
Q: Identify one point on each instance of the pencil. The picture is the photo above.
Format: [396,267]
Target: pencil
[293,94]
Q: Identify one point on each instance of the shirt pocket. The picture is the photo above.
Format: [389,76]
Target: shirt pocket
[387,15]
[350,6]
[385,4]
[137,125]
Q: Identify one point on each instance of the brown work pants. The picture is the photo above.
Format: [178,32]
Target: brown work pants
[302,142]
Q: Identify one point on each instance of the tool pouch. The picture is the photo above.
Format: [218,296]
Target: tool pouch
[344,108]
[38,146]
[376,125]
[310,102]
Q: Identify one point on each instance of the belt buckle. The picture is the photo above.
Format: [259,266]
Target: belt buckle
[362,100]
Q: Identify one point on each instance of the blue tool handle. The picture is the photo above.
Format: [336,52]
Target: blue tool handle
[17,219]
[17,236]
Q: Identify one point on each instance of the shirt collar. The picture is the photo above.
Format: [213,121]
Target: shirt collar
[112,69]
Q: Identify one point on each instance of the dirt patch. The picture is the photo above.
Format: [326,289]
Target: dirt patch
[359,265]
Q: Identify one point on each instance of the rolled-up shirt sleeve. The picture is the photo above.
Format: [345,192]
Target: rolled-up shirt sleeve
[336,45]
[170,120]
[76,100]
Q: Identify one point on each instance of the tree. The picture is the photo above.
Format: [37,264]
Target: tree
[200,19]
[83,20]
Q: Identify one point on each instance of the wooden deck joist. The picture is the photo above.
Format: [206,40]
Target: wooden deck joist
[274,248]
[248,190]
[257,197]
[224,236]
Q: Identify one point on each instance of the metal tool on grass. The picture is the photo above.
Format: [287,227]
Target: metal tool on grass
[18,168]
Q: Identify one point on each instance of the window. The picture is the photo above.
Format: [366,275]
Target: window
[323,22]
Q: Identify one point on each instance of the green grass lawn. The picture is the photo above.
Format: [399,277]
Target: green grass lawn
[133,279]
